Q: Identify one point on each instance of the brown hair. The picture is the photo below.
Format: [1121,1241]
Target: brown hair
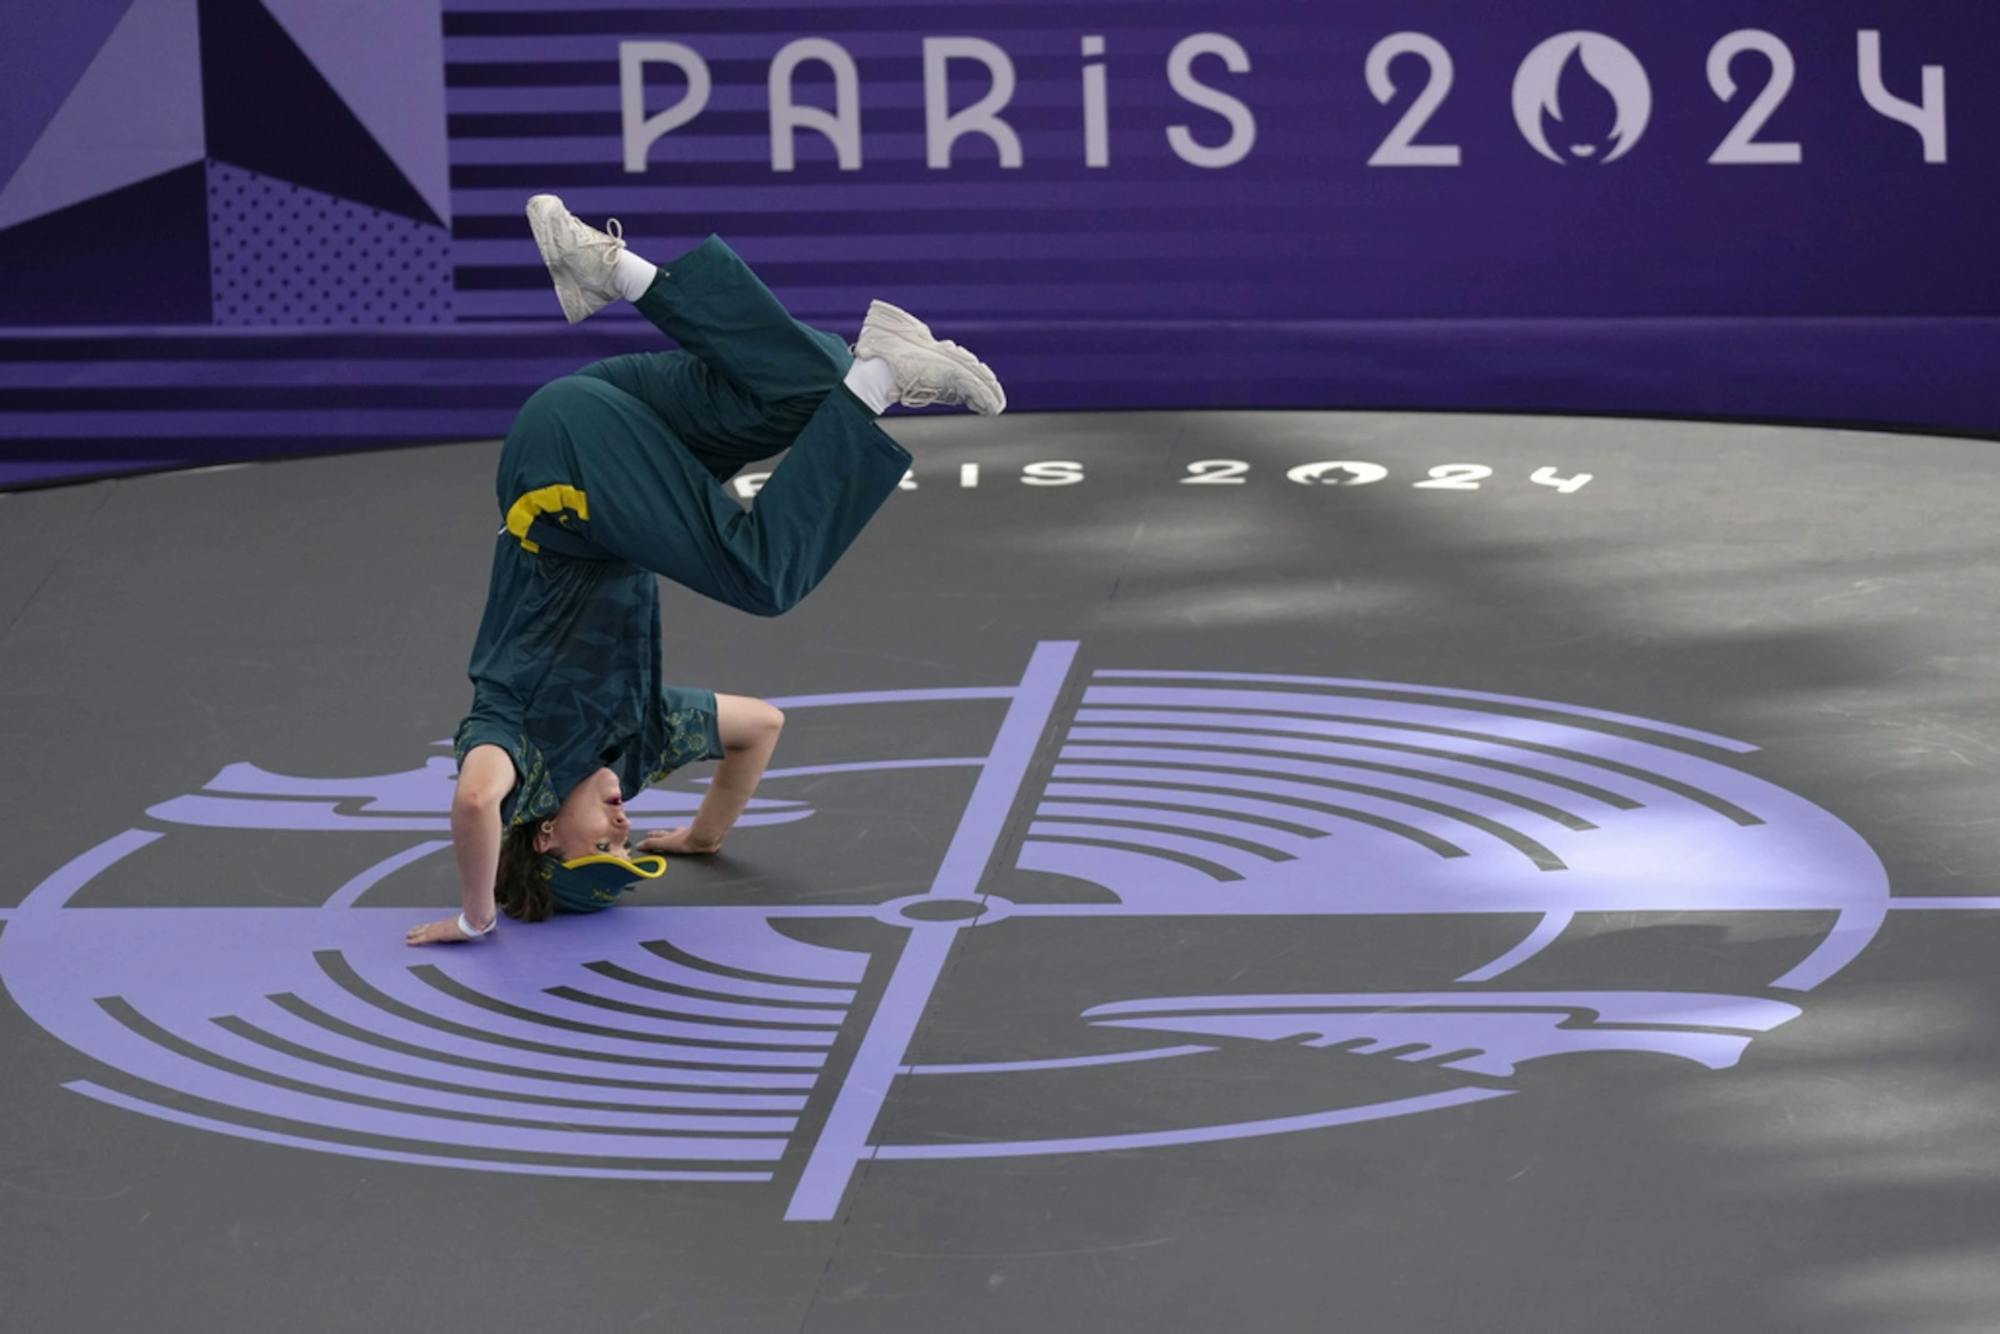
[519,886]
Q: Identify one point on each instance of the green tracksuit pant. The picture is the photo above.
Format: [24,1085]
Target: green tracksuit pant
[627,458]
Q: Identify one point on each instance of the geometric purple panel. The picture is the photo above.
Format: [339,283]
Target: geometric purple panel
[385,60]
[151,234]
[268,108]
[45,60]
[282,254]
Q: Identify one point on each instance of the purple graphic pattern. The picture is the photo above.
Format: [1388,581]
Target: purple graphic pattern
[692,1042]
[1494,1031]
[1347,799]
[244,796]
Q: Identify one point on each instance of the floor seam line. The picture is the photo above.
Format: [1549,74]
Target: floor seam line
[1145,513]
[57,563]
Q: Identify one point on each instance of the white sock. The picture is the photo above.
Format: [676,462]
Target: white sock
[873,381]
[632,275]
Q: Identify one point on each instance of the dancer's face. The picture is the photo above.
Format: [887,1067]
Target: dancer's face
[591,820]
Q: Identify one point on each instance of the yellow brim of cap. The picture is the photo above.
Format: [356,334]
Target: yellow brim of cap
[648,866]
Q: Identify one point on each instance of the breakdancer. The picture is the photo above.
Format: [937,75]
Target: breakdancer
[614,475]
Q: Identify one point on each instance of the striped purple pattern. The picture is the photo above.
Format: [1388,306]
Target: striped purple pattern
[74,406]
[533,104]
[1297,277]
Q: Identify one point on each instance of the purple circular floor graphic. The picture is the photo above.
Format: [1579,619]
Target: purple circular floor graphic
[689,1042]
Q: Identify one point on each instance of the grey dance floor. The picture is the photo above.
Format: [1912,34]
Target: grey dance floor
[1198,890]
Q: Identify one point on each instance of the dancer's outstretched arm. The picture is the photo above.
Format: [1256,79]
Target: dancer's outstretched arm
[484,780]
[749,730]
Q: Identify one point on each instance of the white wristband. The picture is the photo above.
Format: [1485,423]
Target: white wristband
[465,927]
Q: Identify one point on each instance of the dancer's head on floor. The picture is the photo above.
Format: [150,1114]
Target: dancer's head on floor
[577,860]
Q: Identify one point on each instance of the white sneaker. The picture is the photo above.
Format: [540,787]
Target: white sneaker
[580,258]
[928,370]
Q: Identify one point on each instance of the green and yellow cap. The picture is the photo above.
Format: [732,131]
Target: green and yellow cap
[593,883]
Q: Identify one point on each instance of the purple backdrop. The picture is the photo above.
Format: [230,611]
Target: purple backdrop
[313,215]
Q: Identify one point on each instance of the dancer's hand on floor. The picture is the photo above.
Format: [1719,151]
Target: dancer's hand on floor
[435,933]
[678,843]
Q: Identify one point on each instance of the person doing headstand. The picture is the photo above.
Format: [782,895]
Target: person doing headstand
[614,475]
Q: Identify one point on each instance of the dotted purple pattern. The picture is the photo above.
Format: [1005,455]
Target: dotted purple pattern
[280,253]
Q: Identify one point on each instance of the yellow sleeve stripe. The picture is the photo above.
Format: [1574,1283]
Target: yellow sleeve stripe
[547,500]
